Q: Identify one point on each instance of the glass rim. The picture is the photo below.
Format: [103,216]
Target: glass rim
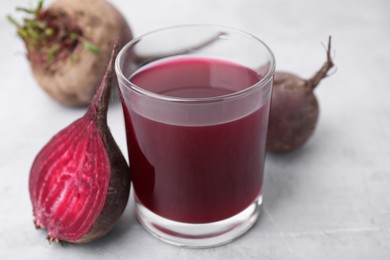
[259,84]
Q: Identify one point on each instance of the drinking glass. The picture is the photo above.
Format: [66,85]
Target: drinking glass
[196,102]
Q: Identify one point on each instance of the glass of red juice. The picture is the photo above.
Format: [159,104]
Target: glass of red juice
[196,102]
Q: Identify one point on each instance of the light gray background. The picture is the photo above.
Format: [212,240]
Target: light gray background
[329,200]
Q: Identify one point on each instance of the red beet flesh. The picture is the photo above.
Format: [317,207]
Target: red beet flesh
[79,182]
[68,198]
[294,108]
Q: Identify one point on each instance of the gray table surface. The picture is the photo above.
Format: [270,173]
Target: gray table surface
[329,200]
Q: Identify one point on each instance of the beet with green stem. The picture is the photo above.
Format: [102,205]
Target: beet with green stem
[69,44]
[294,108]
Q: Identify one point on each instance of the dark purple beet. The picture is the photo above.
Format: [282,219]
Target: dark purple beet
[294,108]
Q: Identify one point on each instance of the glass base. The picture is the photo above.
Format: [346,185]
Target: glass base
[199,235]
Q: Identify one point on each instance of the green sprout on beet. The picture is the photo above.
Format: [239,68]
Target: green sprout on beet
[50,36]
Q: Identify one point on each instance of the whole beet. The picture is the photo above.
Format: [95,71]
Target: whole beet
[69,45]
[294,108]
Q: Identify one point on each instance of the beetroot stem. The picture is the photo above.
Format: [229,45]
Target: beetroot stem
[323,72]
[99,104]
[42,30]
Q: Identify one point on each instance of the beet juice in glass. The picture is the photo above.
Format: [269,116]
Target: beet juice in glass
[196,103]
